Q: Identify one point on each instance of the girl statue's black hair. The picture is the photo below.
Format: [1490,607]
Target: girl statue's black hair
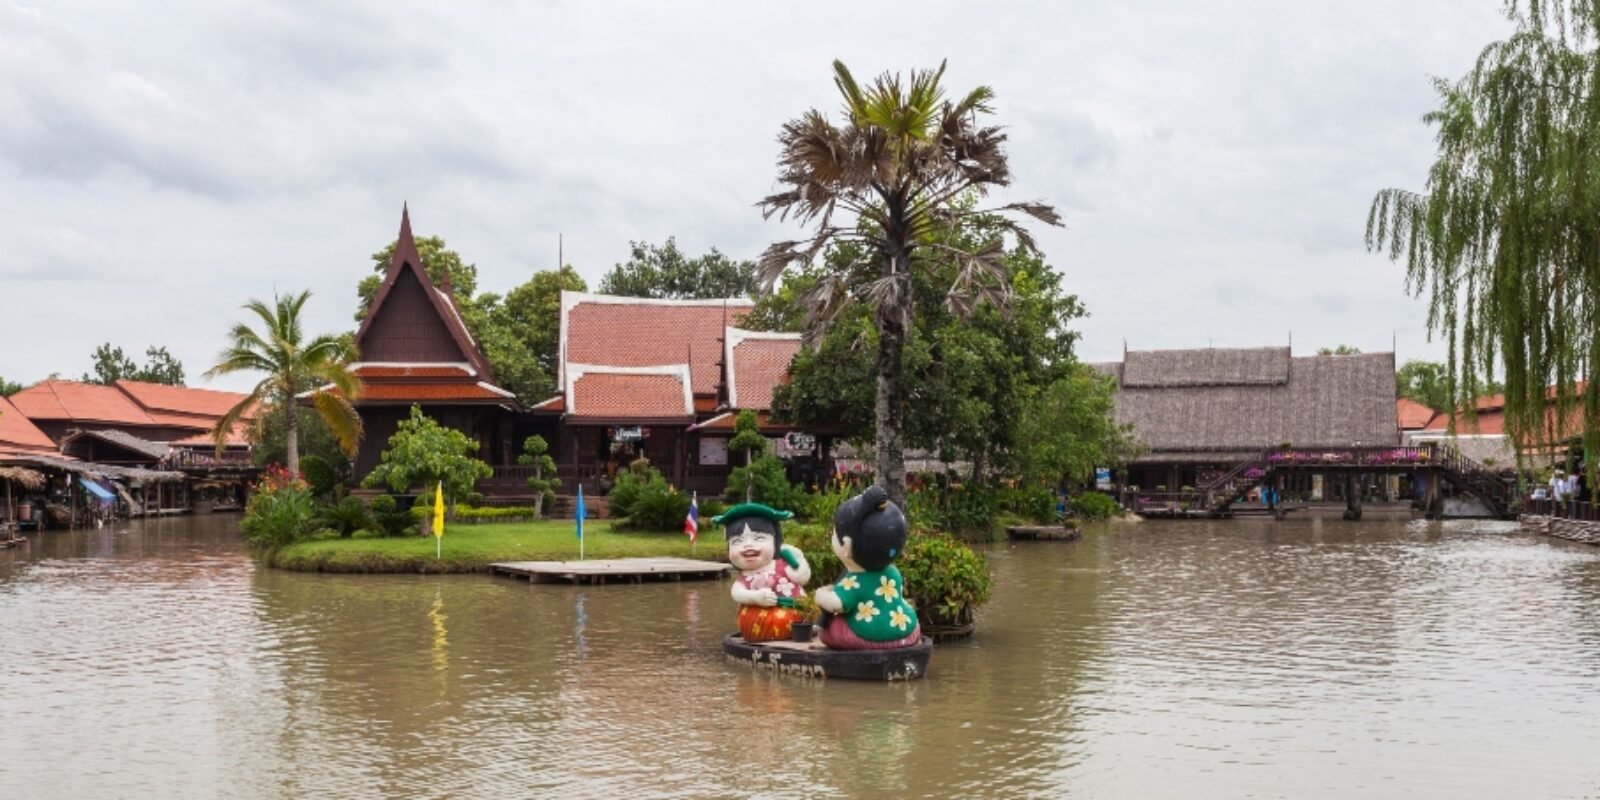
[758,524]
[876,528]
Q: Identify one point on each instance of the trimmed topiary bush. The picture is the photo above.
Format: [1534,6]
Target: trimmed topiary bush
[1095,506]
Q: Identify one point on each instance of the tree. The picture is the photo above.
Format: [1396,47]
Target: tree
[424,453]
[747,437]
[533,312]
[112,365]
[290,362]
[968,378]
[1341,350]
[268,435]
[1069,429]
[905,164]
[1503,239]
[437,260]
[536,454]
[9,387]
[661,271]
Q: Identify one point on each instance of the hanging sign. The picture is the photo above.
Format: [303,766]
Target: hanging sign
[629,434]
[796,440]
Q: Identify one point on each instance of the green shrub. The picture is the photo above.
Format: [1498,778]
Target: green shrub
[388,519]
[280,510]
[711,507]
[768,484]
[1095,506]
[1034,503]
[815,540]
[344,517]
[658,508]
[474,499]
[945,579]
[319,475]
[633,483]
[493,512]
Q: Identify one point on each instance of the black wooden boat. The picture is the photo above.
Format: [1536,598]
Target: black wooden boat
[812,660]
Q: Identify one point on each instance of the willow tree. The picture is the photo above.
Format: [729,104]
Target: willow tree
[904,165]
[1506,237]
[291,362]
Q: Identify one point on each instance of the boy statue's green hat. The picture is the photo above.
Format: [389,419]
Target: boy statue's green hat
[751,510]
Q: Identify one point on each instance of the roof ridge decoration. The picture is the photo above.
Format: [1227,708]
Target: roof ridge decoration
[406,255]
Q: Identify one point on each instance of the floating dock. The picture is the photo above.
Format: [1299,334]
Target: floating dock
[629,570]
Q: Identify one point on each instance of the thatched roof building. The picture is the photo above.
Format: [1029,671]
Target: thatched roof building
[1217,406]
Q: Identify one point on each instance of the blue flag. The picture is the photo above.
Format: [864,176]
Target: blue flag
[580,512]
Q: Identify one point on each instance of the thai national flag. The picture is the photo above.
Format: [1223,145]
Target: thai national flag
[691,523]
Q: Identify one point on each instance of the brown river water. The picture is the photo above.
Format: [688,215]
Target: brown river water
[1299,659]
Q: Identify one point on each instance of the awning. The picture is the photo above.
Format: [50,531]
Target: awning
[97,490]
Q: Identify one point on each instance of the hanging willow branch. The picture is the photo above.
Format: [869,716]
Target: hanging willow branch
[1506,238]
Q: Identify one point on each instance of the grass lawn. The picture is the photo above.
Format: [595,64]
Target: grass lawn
[472,548]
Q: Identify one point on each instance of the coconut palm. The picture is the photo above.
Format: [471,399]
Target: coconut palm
[905,166]
[292,366]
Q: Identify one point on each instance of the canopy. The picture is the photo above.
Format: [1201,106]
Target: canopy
[97,490]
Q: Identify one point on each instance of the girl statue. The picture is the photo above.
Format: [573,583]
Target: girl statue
[867,606]
[771,574]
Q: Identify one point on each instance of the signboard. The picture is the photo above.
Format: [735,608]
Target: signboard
[1316,487]
[796,440]
[713,452]
[1102,479]
[629,434]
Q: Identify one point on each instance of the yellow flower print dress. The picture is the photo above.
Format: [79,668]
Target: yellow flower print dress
[875,607]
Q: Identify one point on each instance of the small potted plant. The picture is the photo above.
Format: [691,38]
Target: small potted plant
[804,626]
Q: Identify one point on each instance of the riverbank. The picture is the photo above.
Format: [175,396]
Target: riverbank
[472,548]
[1576,530]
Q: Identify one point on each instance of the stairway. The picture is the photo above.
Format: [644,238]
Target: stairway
[1221,492]
[1479,481]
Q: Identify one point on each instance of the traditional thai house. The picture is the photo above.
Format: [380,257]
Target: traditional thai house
[661,379]
[1201,412]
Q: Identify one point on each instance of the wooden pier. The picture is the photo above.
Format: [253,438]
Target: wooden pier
[629,570]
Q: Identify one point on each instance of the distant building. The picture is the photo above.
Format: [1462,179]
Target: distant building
[1201,412]
[132,422]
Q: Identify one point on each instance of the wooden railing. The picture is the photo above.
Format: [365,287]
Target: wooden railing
[1564,509]
[207,458]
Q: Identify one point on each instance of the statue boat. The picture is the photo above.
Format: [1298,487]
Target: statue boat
[814,660]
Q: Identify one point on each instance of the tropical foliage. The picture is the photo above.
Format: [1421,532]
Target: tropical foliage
[662,271]
[423,454]
[112,365]
[280,509]
[388,519]
[1502,237]
[899,173]
[764,481]
[647,502]
[1094,506]
[291,363]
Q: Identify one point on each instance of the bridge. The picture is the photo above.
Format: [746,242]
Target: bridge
[1350,465]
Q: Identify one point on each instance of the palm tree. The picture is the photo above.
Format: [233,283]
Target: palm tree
[906,165]
[291,366]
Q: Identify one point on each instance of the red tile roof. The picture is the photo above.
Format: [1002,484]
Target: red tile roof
[636,332]
[760,363]
[238,438]
[71,401]
[431,393]
[1414,416]
[612,395]
[371,371]
[17,432]
[723,423]
[158,397]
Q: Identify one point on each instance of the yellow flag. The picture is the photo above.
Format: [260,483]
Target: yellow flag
[438,510]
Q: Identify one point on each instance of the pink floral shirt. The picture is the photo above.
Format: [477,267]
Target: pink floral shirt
[777,580]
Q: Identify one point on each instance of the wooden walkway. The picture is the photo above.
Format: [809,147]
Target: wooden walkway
[630,570]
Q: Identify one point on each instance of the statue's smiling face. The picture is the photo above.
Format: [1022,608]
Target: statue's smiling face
[750,549]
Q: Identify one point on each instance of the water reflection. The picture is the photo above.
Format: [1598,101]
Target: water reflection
[1306,659]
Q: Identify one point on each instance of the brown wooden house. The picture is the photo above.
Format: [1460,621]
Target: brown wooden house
[416,350]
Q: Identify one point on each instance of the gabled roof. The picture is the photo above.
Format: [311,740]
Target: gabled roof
[758,363]
[18,433]
[406,265]
[607,330]
[1414,416]
[598,392]
[1326,401]
[159,398]
[155,451]
[71,401]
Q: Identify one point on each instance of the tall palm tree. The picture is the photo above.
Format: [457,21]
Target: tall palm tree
[292,365]
[905,166]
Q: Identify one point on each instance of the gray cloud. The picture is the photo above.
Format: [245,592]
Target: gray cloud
[1214,163]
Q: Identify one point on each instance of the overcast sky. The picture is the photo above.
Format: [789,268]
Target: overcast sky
[1214,161]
